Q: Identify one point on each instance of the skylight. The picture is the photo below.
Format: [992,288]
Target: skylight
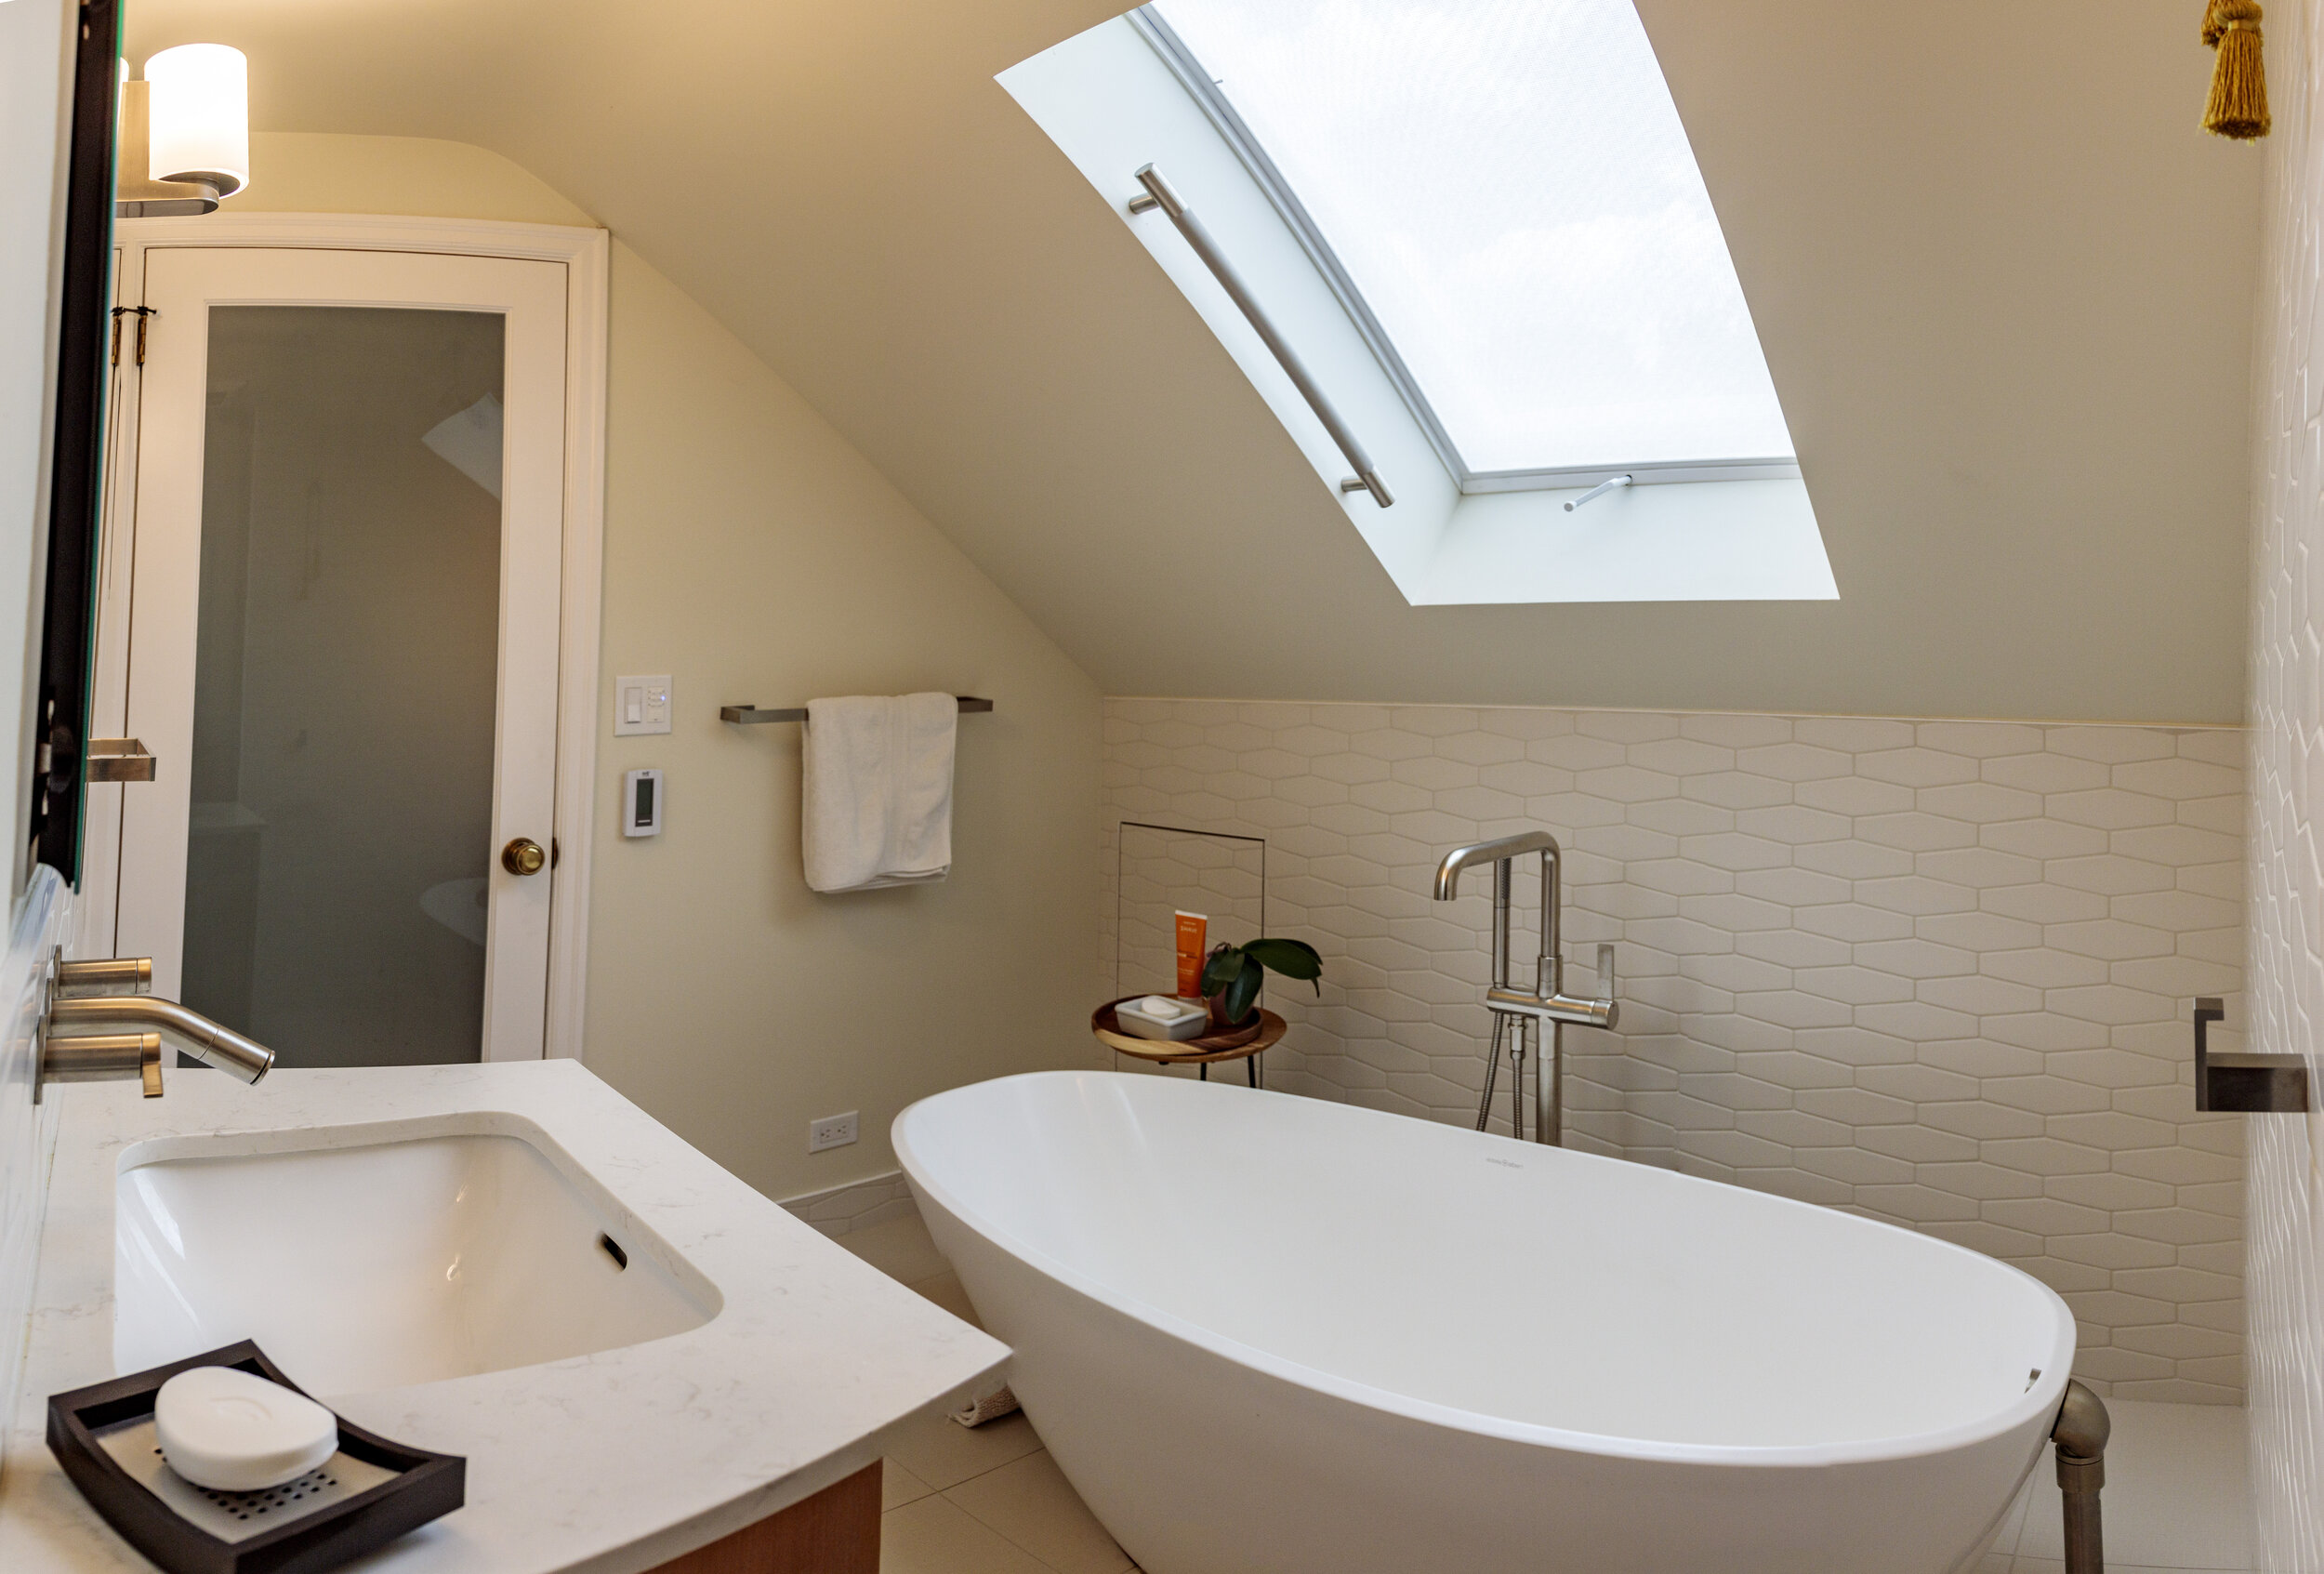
[1508,195]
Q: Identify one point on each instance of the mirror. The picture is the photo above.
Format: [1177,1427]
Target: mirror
[76,484]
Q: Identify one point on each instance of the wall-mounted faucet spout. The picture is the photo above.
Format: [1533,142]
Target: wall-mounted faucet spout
[82,995]
[211,1043]
[1547,1001]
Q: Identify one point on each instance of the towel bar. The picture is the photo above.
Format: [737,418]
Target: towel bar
[749,715]
[2250,1084]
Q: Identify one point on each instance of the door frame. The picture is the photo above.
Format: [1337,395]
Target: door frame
[586,256]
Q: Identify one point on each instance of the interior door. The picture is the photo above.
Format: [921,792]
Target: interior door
[342,648]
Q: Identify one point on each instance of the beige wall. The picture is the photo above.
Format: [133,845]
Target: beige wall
[299,172]
[756,557]
[2004,289]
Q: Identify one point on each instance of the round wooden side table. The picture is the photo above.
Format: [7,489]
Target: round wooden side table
[1245,1044]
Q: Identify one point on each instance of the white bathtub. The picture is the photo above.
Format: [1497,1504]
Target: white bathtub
[1263,1334]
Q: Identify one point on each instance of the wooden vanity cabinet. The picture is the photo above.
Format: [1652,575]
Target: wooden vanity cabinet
[836,1531]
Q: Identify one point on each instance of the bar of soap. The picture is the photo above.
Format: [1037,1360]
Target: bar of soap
[230,1431]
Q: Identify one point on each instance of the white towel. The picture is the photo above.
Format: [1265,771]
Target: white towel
[876,799]
[1000,1403]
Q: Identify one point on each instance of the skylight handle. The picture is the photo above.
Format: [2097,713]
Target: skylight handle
[1161,194]
[1612,484]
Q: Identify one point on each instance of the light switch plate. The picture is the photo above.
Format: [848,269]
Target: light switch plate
[642,704]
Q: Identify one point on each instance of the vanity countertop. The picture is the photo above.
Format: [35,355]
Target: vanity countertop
[610,1464]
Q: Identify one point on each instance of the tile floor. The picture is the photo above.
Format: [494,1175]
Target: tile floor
[981,1502]
[990,1502]
[2177,1496]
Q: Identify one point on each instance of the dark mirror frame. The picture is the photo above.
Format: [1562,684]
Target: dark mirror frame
[77,480]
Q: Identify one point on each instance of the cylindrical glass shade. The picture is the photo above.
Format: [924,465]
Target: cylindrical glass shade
[201,115]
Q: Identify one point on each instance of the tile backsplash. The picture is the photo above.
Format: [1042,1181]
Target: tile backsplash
[2286,710]
[1937,973]
[37,922]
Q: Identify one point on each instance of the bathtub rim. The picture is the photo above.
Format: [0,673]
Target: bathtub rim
[2039,1401]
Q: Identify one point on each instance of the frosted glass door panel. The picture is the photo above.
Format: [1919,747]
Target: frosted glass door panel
[345,681]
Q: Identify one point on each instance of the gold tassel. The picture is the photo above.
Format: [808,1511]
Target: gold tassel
[2239,83]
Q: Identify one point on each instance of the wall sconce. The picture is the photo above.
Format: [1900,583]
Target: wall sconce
[185,132]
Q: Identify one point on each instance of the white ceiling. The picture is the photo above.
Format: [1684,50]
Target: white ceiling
[2004,285]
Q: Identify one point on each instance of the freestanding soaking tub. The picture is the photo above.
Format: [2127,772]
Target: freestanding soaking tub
[1263,1334]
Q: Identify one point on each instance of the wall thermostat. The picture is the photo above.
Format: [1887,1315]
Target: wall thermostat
[642,803]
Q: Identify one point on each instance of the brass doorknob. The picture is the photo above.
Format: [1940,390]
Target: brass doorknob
[523,857]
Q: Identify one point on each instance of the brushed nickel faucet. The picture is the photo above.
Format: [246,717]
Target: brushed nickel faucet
[112,993]
[1546,1002]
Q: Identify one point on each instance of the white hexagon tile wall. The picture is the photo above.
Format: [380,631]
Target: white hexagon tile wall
[2286,710]
[1937,972]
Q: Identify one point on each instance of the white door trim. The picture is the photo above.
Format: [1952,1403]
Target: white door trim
[586,254]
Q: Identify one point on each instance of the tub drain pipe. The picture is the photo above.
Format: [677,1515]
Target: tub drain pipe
[2080,1439]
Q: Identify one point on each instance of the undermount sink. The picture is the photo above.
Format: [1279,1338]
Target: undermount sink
[373,1258]
[435,1251]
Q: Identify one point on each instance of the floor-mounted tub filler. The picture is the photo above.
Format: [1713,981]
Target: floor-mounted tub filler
[1265,1334]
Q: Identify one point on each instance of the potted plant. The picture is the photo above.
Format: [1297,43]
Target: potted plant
[1231,975]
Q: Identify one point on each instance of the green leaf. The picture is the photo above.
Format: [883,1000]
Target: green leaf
[1293,959]
[1222,967]
[1243,993]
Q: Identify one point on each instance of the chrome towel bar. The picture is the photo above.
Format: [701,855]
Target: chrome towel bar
[750,715]
[119,759]
[1159,194]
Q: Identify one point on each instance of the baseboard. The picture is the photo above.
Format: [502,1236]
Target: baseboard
[858,1205]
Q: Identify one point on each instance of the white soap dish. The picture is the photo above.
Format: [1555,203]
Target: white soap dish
[363,1493]
[1162,1016]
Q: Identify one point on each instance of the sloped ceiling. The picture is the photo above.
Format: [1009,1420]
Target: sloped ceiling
[2004,284]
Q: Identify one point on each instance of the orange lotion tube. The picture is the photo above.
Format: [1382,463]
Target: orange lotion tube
[1193,928]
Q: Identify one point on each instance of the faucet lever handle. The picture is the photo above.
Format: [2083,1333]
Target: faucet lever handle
[96,1057]
[111,976]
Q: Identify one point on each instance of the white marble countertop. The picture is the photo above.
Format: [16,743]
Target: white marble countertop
[610,1464]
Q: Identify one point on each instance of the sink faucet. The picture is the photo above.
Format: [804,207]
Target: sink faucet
[112,993]
[1547,1001]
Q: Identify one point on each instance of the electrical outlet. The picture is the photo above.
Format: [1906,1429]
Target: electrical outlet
[831,1131]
